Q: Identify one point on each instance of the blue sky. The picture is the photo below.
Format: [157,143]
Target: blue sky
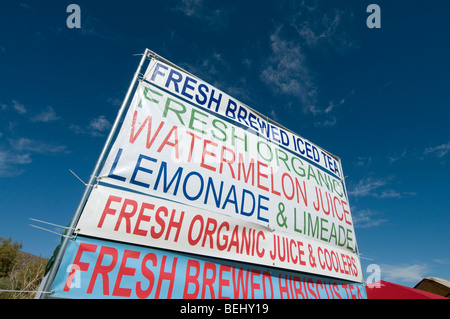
[377,98]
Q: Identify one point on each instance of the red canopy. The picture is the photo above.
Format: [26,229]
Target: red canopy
[389,290]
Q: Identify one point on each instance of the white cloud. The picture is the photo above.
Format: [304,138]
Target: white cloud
[286,71]
[376,187]
[96,127]
[395,157]
[367,218]
[99,125]
[19,107]
[309,30]
[9,161]
[438,151]
[213,16]
[29,145]
[367,186]
[45,116]
[406,274]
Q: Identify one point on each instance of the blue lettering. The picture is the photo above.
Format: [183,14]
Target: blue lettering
[250,213]
[242,115]
[217,198]
[156,72]
[201,89]
[139,168]
[216,100]
[264,127]
[175,81]
[275,134]
[252,120]
[284,138]
[261,207]
[176,176]
[113,167]
[185,187]
[187,86]
[232,192]
[230,110]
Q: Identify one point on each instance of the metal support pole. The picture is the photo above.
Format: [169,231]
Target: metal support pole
[49,278]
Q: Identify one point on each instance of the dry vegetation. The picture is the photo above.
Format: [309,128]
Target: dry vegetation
[20,272]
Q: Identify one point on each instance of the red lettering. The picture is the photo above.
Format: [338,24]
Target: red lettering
[163,275]
[266,275]
[209,232]
[174,224]
[284,289]
[191,240]
[77,264]
[250,171]
[289,197]
[140,293]
[206,152]
[173,131]
[223,282]
[271,183]
[126,215]
[160,222]
[240,284]
[260,174]
[254,286]
[125,271]
[298,289]
[346,212]
[208,282]
[148,120]
[142,217]
[225,237]
[103,270]
[228,161]
[260,253]
[234,239]
[108,210]
[192,279]
[310,283]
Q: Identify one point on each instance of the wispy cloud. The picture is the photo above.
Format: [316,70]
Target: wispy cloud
[35,146]
[216,17]
[396,157]
[46,116]
[309,30]
[20,151]
[96,127]
[367,218]
[9,162]
[286,71]
[99,125]
[404,273]
[438,151]
[19,107]
[376,187]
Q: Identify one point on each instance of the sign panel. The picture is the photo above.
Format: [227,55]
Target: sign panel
[181,144]
[135,218]
[200,196]
[103,269]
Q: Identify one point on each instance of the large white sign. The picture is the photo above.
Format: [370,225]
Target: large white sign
[208,155]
